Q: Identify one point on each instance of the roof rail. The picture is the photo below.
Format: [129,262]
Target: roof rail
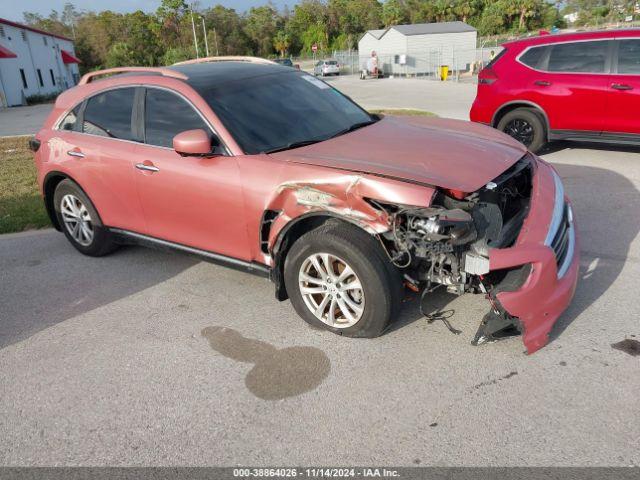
[226,59]
[167,72]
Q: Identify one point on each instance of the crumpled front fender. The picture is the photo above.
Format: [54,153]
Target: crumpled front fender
[345,197]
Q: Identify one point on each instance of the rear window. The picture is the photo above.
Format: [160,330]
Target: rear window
[331,62]
[629,57]
[534,57]
[70,120]
[109,114]
[578,57]
[496,58]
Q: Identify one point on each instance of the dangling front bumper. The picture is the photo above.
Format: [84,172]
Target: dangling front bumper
[548,243]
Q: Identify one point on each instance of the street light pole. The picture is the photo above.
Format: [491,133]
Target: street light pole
[195,38]
[206,41]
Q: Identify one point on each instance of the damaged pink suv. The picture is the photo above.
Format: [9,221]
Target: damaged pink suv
[264,168]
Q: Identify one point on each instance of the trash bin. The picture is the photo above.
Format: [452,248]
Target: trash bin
[444,72]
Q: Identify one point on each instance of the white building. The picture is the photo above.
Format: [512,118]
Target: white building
[33,62]
[420,48]
[571,17]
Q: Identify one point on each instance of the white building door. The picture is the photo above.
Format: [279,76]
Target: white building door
[11,82]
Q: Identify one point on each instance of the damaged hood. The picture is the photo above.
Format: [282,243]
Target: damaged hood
[446,153]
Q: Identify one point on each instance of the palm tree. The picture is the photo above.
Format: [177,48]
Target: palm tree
[281,42]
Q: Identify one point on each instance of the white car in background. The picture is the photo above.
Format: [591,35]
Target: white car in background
[326,67]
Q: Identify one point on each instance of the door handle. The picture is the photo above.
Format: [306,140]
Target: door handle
[621,86]
[75,153]
[542,83]
[148,168]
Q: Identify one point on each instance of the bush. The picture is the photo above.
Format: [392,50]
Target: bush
[38,98]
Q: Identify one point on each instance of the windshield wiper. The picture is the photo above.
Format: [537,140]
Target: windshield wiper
[353,127]
[289,146]
[304,143]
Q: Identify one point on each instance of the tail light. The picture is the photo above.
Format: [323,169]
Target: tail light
[34,144]
[487,76]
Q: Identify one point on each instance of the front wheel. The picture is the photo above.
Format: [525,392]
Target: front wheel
[339,278]
[526,126]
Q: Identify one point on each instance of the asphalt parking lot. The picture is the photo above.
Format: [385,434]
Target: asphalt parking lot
[23,120]
[150,358]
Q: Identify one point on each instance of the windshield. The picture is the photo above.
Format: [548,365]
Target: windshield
[282,110]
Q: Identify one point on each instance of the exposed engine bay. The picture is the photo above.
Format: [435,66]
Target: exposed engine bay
[447,244]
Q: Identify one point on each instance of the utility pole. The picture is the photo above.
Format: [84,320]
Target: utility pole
[195,38]
[206,41]
[215,39]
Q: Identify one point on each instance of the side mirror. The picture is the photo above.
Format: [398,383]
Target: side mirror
[195,143]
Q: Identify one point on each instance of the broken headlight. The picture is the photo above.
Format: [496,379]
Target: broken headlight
[454,225]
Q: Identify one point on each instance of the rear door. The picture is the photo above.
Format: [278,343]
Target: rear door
[623,89]
[191,201]
[98,141]
[570,83]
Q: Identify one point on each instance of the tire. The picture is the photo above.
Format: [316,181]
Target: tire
[521,120]
[70,197]
[381,282]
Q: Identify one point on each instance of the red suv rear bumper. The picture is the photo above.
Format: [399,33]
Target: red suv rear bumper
[550,286]
[482,110]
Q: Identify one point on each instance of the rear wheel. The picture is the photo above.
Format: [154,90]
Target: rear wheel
[80,221]
[339,278]
[526,126]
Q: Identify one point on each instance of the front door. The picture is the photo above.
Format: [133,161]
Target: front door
[191,201]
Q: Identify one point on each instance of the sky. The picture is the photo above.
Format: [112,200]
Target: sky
[12,9]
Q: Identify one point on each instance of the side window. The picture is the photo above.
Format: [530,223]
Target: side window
[578,57]
[69,122]
[533,57]
[166,115]
[629,56]
[109,114]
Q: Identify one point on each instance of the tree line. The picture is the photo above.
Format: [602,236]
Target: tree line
[109,39]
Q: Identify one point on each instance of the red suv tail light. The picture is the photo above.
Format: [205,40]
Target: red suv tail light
[487,76]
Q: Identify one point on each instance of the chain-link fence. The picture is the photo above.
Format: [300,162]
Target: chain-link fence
[424,65]
[460,63]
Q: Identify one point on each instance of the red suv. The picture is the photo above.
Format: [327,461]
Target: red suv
[267,169]
[579,86]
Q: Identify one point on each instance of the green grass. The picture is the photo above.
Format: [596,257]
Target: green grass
[403,111]
[21,206]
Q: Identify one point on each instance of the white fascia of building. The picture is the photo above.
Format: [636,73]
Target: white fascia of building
[34,62]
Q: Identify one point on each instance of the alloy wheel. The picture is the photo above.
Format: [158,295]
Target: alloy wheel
[521,130]
[331,290]
[77,219]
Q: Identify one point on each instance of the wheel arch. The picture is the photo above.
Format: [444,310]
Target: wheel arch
[49,185]
[290,233]
[513,105]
